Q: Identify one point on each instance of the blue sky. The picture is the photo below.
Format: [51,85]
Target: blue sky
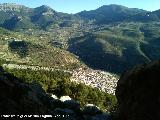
[74,6]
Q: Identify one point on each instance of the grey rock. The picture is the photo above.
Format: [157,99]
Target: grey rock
[90,109]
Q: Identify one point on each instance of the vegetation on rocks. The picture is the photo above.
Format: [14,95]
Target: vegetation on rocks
[58,83]
[16,94]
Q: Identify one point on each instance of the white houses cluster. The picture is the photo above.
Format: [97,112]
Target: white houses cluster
[104,81]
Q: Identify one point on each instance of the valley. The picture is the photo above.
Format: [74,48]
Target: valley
[79,55]
[104,81]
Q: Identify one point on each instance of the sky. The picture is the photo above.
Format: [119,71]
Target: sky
[74,6]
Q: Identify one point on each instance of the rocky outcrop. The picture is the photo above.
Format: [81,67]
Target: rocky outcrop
[138,93]
[102,80]
[18,97]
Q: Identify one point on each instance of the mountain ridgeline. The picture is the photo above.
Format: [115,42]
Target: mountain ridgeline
[113,38]
[117,13]
[18,16]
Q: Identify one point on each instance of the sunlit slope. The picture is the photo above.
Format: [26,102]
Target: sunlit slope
[28,50]
[117,48]
[18,17]
[107,14]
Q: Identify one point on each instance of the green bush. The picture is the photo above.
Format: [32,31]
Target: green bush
[58,83]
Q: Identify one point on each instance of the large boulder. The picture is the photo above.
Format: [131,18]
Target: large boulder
[18,97]
[70,103]
[65,98]
[54,97]
[138,93]
[91,109]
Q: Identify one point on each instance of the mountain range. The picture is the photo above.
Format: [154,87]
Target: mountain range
[18,16]
[112,38]
[21,17]
[116,13]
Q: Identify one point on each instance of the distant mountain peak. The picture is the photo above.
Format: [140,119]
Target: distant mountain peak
[44,9]
[112,13]
[10,4]
[118,8]
[113,5]
[11,7]
[45,6]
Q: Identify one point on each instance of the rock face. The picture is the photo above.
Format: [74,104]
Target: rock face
[138,93]
[18,97]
